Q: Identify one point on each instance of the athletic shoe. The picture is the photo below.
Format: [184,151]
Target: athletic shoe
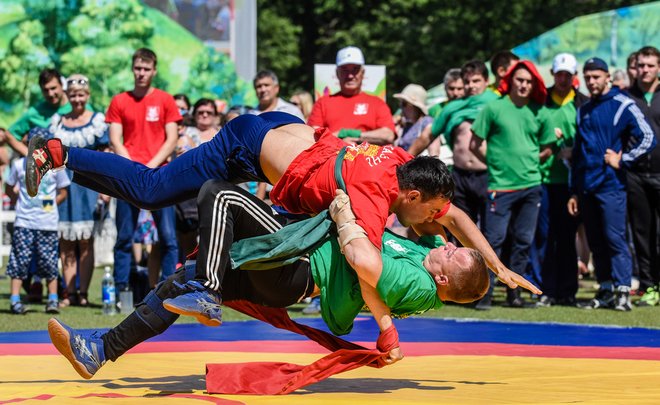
[200,302]
[42,156]
[622,301]
[650,298]
[545,301]
[84,351]
[603,299]
[53,307]
[17,308]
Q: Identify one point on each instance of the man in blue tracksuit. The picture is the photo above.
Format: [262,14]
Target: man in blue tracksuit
[612,134]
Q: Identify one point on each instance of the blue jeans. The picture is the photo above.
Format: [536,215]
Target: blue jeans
[126,220]
[604,215]
[232,154]
[517,210]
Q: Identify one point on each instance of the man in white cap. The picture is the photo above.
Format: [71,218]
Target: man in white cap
[351,114]
[553,256]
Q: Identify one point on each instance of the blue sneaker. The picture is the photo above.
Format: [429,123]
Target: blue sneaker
[200,302]
[84,352]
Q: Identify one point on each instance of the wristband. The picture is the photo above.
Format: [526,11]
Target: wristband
[388,339]
[349,133]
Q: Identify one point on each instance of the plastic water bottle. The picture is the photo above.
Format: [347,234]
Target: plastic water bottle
[108,292]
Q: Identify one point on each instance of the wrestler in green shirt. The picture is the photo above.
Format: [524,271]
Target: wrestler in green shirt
[405,285]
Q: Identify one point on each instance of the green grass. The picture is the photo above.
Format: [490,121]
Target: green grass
[92,317]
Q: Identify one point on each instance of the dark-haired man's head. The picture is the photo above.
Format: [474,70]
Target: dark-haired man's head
[648,68]
[51,87]
[500,64]
[596,77]
[631,67]
[425,188]
[144,67]
[475,77]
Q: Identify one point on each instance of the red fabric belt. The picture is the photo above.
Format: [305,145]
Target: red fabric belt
[277,378]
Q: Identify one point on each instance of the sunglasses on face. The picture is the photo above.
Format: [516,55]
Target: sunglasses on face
[82,82]
[205,112]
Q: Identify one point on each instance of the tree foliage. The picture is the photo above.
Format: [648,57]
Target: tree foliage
[19,70]
[212,76]
[418,40]
[97,38]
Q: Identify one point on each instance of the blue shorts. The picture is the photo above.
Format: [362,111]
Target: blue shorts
[232,155]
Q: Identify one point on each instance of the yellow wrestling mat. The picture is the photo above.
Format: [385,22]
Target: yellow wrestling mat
[178,378]
[447,362]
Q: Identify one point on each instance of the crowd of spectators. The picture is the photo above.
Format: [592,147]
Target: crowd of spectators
[544,170]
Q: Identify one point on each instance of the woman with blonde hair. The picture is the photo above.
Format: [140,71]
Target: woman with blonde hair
[87,129]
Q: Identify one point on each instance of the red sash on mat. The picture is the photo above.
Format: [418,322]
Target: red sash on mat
[277,378]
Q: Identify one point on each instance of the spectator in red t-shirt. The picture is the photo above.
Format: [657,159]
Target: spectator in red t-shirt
[351,114]
[143,128]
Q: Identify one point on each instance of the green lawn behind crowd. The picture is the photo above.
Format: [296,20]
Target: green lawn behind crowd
[92,317]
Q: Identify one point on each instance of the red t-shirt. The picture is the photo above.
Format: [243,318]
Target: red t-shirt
[363,112]
[143,121]
[369,171]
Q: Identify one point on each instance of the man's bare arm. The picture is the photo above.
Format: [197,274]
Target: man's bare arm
[116,134]
[422,142]
[366,260]
[478,147]
[380,136]
[166,149]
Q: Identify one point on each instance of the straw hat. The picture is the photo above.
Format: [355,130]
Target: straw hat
[415,95]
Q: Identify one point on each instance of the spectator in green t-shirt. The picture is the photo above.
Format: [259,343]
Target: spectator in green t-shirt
[518,139]
[553,258]
[55,101]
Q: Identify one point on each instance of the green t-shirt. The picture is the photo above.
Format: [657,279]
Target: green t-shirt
[458,111]
[37,116]
[514,135]
[554,170]
[435,109]
[404,285]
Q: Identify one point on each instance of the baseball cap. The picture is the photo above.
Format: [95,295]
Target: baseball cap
[595,64]
[350,55]
[564,62]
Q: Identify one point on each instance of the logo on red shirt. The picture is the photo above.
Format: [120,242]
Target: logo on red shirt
[153,113]
[361,109]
